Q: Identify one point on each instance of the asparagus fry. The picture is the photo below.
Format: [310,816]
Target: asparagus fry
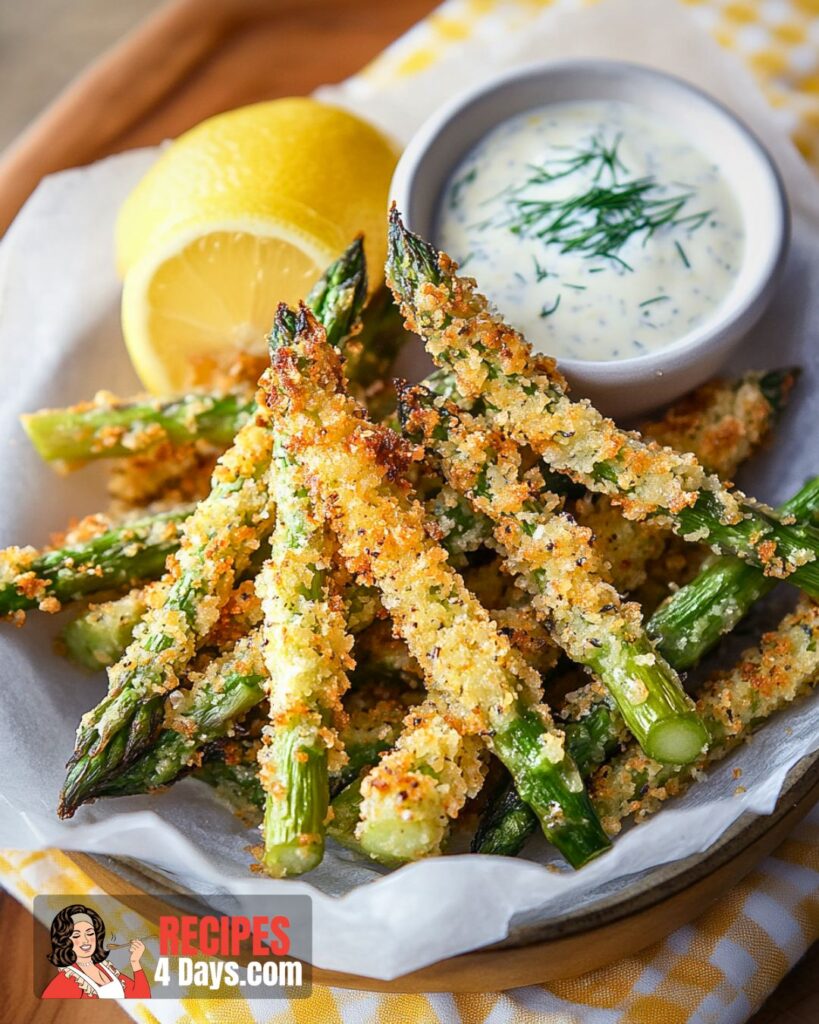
[109,427]
[525,396]
[118,557]
[699,613]
[405,811]
[554,560]
[307,654]
[784,667]
[217,541]
[356,466]
[694,618]
[721,423]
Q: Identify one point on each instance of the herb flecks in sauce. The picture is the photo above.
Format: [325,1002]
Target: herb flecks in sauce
[598,231]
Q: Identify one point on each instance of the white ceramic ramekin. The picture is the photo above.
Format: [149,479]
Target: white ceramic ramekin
[633,385]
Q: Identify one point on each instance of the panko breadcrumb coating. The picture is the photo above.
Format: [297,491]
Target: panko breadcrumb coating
[721,423]
[357,472]
[553,558]
[524,396]
[784,667]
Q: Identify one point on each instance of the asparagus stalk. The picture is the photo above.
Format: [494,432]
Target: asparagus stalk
[109,427]
[691,622]
[229,687]
[685,630]
[355,467]
[217,542]
[307,653]
[217,698]
[525,396]
[721,423]
[555,561]
[118,557]
[783,668]
[98,637]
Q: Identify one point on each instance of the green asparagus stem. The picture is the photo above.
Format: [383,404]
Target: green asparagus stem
[784,667]
[217,542]
[307,652]
[98,637]
[119,557]
[108,427]
[509,821]
[701,612]
[690,623]
[525,396]
[353,465]
[555,561]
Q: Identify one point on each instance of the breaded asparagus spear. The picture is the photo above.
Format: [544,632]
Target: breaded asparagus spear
[525,396]
[356,468]
[721,423]
[307,653]
[555,562]
[685,630]
[693,619]
[110,427]
[218,540]
[767,678]
[109,559]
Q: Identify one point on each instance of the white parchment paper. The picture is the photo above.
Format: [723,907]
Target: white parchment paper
[60,341]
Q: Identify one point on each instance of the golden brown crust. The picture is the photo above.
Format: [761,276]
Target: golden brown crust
[767,678]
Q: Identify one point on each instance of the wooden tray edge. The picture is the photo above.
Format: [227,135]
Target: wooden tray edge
[564,956]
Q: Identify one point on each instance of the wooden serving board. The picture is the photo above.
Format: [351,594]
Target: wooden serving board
[195,58]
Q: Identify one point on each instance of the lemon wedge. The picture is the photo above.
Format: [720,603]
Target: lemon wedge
[241,213]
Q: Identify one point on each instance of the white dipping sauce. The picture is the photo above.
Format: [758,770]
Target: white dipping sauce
[598,231]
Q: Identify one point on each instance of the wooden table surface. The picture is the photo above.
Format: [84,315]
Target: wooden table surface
[46,43]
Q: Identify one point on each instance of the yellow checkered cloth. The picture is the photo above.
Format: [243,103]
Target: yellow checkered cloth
[718,970]
[721,968]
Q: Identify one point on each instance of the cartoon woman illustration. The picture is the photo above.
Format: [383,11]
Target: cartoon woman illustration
[78,951]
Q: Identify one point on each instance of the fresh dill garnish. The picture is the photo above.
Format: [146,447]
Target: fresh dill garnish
[548,310]
[604,156]
[602,216]
[465,260]
[576,287]
[541,273]
[657,298]
[683,257]
[458,187]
